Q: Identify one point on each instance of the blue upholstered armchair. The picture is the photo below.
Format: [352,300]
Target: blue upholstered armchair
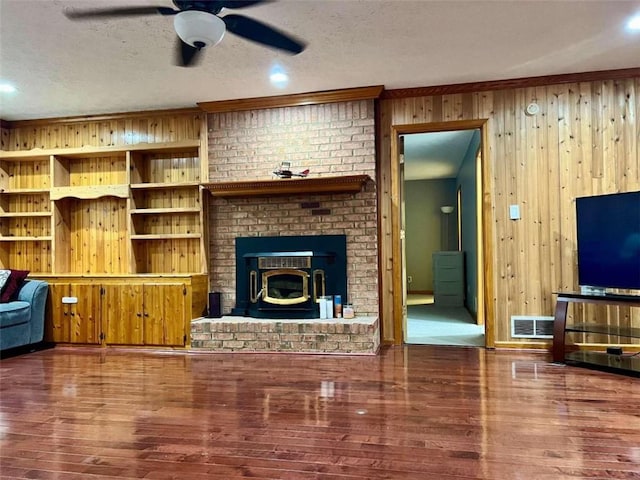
[22,320]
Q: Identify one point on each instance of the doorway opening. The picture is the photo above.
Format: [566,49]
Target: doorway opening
[441,190]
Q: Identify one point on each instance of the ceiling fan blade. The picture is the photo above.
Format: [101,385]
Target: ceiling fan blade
[186,55]
[117,12]
[241,3]
[214,6]
[262,33]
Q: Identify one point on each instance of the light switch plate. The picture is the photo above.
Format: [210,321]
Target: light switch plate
[514,212]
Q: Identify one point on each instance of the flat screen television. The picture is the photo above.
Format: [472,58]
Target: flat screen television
[608,236]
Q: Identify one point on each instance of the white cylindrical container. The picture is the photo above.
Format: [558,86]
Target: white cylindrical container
[323,307]
[329,300]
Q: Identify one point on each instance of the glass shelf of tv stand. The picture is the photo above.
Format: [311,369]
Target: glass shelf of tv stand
[628,332]
[609,299]
[628,363]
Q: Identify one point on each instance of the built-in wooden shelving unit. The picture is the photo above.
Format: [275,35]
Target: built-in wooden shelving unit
[117,226]
[151,186]
[131,209]
[90,192]
[289,186]
[25,214]
[38,154]
[156,211]
[24,238]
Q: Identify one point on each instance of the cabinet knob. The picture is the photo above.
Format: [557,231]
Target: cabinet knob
[139,314]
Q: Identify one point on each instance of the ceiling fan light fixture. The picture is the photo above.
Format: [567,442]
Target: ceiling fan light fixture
[199,29]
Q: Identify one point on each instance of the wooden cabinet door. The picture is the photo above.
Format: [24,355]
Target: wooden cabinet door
[58,325]
[164,314]
[84,316]
[122,314]
[77,322]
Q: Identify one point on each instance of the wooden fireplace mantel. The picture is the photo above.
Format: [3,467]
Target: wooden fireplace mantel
[288,186]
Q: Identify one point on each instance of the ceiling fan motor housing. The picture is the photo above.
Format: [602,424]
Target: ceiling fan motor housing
[199,29]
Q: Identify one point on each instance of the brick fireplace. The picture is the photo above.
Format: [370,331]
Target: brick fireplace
[331,140]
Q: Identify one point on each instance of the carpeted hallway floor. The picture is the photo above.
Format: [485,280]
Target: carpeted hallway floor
[428,324]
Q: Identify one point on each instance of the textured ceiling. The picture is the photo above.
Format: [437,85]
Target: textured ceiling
[64,68]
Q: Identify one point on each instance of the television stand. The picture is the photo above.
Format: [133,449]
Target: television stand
[626,363]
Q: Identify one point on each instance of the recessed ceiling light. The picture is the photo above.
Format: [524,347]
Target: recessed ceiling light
[634,23]
[278,77]
[7,88]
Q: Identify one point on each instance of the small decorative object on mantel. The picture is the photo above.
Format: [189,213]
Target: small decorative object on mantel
[284,171]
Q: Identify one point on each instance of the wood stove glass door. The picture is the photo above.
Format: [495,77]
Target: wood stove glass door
[285,286]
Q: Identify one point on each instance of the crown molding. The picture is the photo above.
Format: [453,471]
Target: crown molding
[295,100]
[100,118]
[511,83]
[342,95]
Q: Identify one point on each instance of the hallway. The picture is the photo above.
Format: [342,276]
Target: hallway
[429,324]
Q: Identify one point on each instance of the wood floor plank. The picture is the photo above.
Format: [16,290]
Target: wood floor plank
[412,412]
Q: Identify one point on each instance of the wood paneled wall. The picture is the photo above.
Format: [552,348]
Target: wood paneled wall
[114,130]
[98,241]
[584,141]
[5,133]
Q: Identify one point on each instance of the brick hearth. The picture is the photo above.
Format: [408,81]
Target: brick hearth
[333,336]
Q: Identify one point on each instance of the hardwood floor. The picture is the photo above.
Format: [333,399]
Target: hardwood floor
[416,412]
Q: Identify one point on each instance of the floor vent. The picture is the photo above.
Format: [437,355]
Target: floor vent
[523,326]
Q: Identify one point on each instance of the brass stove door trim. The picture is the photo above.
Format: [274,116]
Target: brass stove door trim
[319,287]
[285,301]
[254,294]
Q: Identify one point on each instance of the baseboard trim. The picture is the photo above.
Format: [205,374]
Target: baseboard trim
[524,345]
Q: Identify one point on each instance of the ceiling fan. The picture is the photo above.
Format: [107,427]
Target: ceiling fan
[198,25]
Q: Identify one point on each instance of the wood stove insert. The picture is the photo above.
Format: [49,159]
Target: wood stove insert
[279,277]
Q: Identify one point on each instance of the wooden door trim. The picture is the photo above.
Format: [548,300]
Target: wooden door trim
[485,245]
[485,239]
[396,249]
